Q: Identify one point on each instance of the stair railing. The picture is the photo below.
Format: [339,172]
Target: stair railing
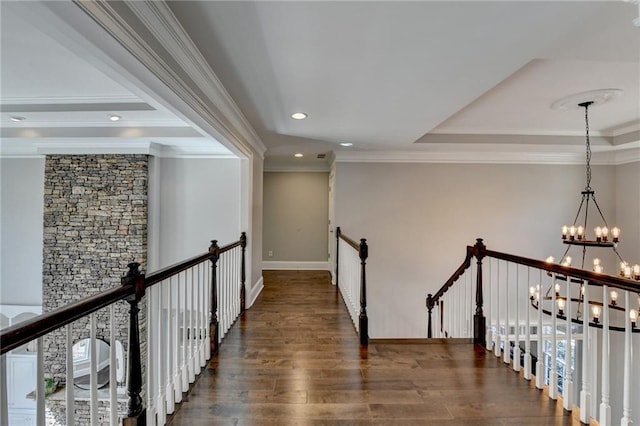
[351,280]
[182,311]
[539,318]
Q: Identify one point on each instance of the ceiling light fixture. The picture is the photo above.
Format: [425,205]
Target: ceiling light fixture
[17,119]
[114,117]
[577,235]
[299,115]
[298,154]
[346,144]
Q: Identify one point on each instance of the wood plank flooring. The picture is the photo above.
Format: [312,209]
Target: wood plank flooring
[294,359]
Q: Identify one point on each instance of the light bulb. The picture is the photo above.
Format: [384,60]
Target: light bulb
[605,233]
[580,232]
[557,287]
[550,259]
[636,272]
[598,269]
[627,271]
[622,266]
[598,232]
[565,229]
[561,304]
[633,316]
[614,297]
[596,310]
[615,233]
[572,232]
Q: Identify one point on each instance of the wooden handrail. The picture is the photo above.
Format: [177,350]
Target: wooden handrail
[26,331]
[349,241]
[592,277]
[363,253]
[479,251]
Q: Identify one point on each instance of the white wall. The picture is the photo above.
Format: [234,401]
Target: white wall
[193,201]
[22,186]
[418,218]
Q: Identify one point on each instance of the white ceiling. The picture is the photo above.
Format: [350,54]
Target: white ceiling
[388,76]
[66,101]
[384,75]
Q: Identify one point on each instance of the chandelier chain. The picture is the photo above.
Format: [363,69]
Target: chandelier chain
[586,120]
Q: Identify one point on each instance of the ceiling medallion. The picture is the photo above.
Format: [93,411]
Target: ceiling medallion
[592,97]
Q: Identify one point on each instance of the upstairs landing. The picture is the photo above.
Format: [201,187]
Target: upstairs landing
[294,359]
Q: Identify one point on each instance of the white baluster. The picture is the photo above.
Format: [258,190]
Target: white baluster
[527,341]
[192,325]
[455,310]
[585,392]
[175,330]
[506,354]
[626,395]
[605,408]
[185,334]
[489,309]
[4,403]
[169,394]
[567,383]
[516,346]
[93,371]
[160,360]
[40,407]
[113,362]
[203,315]
[70,401]
[151,357]
[540,344]
[498,331]
[553,375]
[207,310]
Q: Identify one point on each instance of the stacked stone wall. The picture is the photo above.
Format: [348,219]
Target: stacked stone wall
[95,223]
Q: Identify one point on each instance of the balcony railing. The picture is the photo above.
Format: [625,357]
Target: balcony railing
[351,280]
[538,318]
[188,308]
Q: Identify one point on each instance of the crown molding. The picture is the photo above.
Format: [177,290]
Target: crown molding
[493,154]
[120,99]
[119,146]
[162,23]
[216,108]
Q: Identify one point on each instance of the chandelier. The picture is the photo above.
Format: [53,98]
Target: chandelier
[577,234]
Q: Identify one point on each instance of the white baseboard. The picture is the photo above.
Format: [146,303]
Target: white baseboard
[256,289]
[312,266]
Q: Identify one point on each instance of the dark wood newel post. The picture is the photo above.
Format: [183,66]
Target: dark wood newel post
[363,319]
[243,273]
[213,315]
[430,306]
[479,321]
[136,413]
[338,232]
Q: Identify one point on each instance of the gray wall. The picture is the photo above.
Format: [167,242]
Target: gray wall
[296,215]
[22,184]
[628,210]
[418,218]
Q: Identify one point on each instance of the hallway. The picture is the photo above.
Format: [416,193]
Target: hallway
[294,359]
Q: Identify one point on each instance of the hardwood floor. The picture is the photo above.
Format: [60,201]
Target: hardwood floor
[294,359]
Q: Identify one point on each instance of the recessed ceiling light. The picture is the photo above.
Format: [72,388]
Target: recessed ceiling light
[298,154]
[114,117]
[346,144]
[299,115]
[17,119]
